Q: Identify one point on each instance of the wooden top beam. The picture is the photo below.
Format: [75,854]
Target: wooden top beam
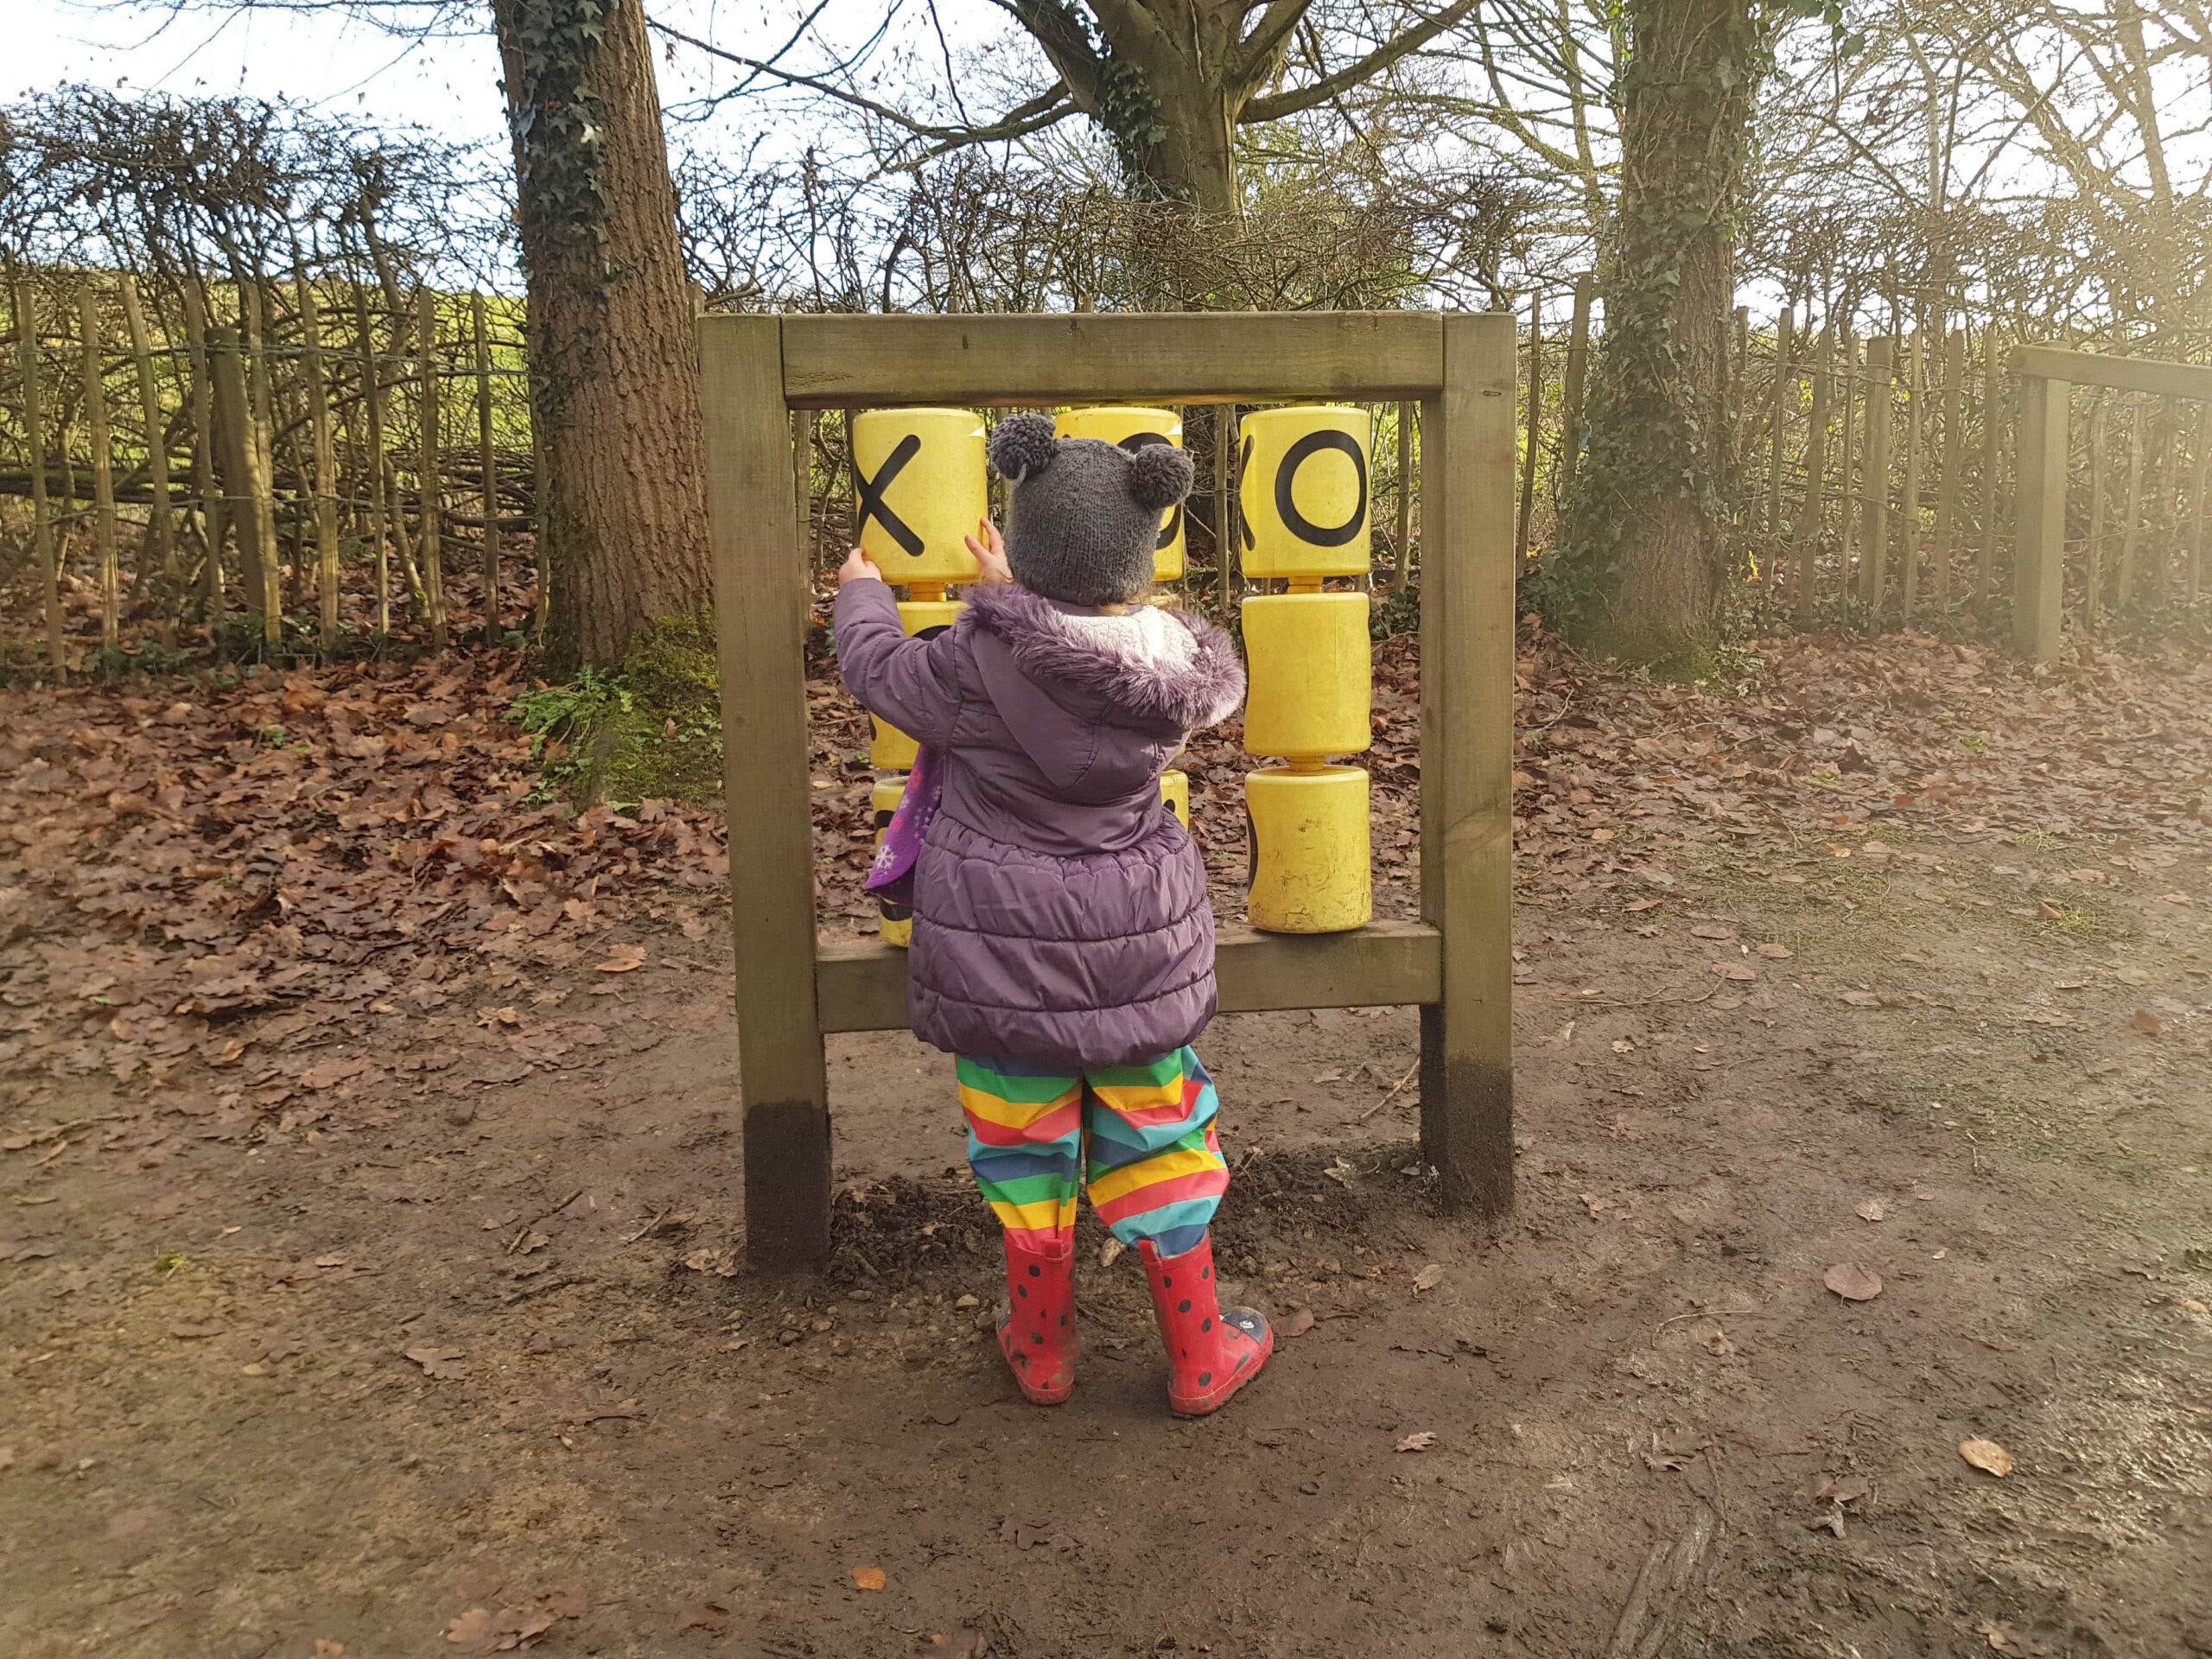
[862,986]
[1096,358]
[2152,375]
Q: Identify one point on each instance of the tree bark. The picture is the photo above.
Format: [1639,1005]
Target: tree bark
[1644,552]
[613,360]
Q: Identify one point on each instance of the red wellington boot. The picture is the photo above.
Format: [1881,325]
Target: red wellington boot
[1212,1351]
[1037,1324]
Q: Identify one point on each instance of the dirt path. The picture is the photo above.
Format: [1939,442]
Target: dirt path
[446,1351]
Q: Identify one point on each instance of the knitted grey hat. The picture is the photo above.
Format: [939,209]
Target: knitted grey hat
[1085,514]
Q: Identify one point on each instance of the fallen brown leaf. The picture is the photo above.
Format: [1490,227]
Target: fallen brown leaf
[1868,1210]
[1853,1282]
[442,1364]
[473,1629]
[1988,1455]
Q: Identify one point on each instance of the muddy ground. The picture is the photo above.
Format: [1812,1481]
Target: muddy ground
[418,1326]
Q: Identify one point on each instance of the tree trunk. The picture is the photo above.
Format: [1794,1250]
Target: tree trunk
[613,361]
[1195,161]
[1644,549]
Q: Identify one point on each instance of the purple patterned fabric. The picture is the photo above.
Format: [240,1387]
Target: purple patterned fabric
[891,876]
[1060,913]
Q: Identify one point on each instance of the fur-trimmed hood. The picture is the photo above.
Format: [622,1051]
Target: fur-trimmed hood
[1150,663]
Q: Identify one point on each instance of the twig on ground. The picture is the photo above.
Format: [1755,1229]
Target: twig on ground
[1393,1094]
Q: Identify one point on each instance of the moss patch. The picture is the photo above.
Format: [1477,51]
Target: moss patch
[651,731]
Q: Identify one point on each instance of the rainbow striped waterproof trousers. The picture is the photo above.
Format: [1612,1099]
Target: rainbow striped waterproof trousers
[1142,1135]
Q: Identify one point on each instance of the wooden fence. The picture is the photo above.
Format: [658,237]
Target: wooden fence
[248,465]
[265,464]
[2143,545]
[1876,475]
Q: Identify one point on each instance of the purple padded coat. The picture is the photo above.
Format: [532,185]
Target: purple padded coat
[1060,913]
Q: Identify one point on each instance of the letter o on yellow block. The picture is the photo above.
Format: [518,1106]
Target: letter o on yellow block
[921,490]
[1132,429]
[1310,663]
[894,922]
[1311,850]
[1302,490]
[891,749]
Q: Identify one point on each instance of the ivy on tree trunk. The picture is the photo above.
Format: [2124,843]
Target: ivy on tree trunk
[1645,553]
[613,360]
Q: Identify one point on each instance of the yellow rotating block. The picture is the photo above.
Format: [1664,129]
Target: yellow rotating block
[1302,489]
[920,475]
[1310,850]
[1310,664]
[1175,789]
[893,750]
[1133,428]
[894,922]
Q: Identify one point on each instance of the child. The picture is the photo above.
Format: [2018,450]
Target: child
[1062,946]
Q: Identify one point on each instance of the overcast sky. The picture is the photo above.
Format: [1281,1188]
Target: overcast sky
[322,58]
[347,67]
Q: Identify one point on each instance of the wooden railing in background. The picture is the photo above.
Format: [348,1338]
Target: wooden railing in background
[2166,568]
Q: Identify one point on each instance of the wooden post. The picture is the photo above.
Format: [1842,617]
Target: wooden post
[1874,551]
[2165,441]
[1785,389]
[1403,551]
[2198,551]
[326,466]
[1224,505]
[488,462]
[49,564]
[428,481]
[2131,525]
[1915,405]
[2094,562]
[1946,497]
[266,577]
[213,508]
[760,599]
[1466,790]
[1813,509]
[1846,490]
[1993,450]
[2039,517]
[158,551]
[1571,386]
[1535,394]
[372,401]
[99,436]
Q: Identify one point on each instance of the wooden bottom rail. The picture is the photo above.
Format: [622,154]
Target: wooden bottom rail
[862,987]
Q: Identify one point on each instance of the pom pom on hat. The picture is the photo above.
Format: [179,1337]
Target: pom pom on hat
[1159,476]
[1022,446]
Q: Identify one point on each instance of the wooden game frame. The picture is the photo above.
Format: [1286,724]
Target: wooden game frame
[1456,963]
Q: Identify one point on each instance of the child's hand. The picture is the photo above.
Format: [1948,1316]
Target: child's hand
[857,567]
[990,554]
